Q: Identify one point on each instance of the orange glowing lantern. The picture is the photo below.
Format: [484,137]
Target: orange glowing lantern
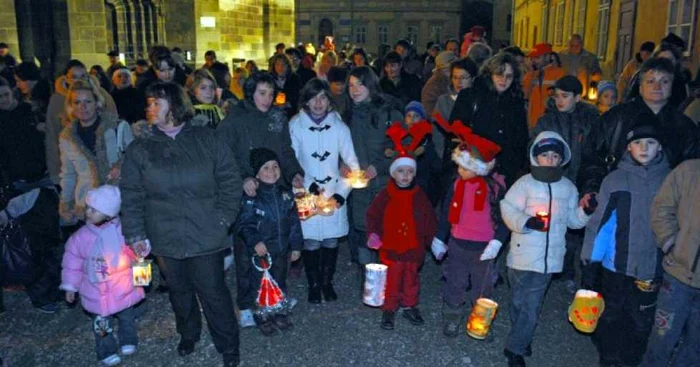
[483,313]
[324,206]
[357,179]
[142,273]
[585,310]
[306,204]
[281,98]
[593,92]
[544,216]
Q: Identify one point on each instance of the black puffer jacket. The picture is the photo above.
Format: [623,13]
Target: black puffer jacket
[680,138]
[575,127]
[408,89]
[182,194]
[271,218]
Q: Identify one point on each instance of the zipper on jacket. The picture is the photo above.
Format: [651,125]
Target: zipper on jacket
[549,227]
[279,219]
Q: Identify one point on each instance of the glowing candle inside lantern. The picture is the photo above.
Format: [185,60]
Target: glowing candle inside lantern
[483,313]
[141,273]
[281,98]
[357,179]
[545,218]
[305,205]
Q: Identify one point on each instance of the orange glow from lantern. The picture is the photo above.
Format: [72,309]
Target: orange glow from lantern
[305,205]
[481,317]
[357,179]
[281,98]
[545,218]
[141,273]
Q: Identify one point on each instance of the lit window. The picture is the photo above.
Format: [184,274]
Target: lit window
[559,25]
[581,17]
[602,30]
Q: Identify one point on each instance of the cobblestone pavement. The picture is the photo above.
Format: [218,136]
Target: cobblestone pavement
[343,333]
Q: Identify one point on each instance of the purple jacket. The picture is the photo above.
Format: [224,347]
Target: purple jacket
[104,298]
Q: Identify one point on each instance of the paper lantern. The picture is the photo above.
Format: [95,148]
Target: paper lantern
[375,284]
[281,99]
[483,313]
[357,179]
[324,206]
[142,273]
[306,205]
[270,298]
[585,310]
[545,218]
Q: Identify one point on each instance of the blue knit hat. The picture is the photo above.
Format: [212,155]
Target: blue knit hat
[416,107]
[605,85]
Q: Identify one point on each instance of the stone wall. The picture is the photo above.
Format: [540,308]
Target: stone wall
[8,26]
[88,35]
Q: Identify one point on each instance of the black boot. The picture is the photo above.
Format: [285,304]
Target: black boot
[312,263]
[329,258]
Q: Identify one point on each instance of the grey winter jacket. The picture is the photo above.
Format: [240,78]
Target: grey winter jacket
[619,233]
[182,194]
[575,127]
[246,128]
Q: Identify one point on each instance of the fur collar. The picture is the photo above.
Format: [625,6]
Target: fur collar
[98,162]
[142,129]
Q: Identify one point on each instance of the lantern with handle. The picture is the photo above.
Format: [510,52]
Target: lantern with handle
[324,206]
[357,179]
[593,92]
[585,310]
[142,273]
[483,313]
[375,284]
[270,298]
[306,204]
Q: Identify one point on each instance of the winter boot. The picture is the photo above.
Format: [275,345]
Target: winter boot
[329,258]
[313,274]
[451,320]
[388,318]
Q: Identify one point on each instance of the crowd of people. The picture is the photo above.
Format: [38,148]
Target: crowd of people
[462,148]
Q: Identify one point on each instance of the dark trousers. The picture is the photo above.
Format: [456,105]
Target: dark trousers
[248,277]
[574,241]
[463,270]
[41,226]
[677,317]
[202,277]
[106,345]
[358,244]
[527,289]
[623,328]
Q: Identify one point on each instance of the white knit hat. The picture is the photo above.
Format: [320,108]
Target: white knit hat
[105,199]
[472,163]
[402,161]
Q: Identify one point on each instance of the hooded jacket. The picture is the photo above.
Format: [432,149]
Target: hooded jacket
[541,252]
[619,233]
[575,127]
[182,194]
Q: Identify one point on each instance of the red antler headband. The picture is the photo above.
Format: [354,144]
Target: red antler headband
[474,152]
[417,132]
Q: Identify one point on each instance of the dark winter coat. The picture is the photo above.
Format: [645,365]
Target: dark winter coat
[182,194]
[575,127]
[126,100]
[246,128]
[292,88]
[22,152]
[305,75]
[270,217]
[499,118]
[368,122]
[408,89]
[679,90]
[619,233]
[429,166]
[145,80]
[680,138]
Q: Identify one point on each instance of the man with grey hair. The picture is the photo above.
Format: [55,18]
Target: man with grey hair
[580,63]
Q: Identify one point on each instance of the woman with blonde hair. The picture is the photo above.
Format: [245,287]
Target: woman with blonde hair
[328,60]
[91,147]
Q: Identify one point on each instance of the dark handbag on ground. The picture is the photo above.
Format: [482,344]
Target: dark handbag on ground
[15,256]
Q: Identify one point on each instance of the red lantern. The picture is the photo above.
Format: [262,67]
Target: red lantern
[544,216]
[270,299]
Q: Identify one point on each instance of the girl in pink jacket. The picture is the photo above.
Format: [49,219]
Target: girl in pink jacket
[97,264]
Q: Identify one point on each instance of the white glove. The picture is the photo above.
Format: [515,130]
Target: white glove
[438,248]
[491,251]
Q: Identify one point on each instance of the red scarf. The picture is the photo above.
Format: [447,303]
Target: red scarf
[458,197]
[400,233]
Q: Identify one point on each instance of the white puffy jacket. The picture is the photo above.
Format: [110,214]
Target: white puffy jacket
[541,252]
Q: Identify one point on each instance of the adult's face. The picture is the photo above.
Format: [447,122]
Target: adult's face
[205,92]
[84,106]
[7,99]
[392,70]
[113,60]
[452,46]
[644,55]
[157,111]
[239,78]
[337,88]
[503,81]
[318,106]
[165,72]
[209,60]
[326,63]
[4,51]
[76,73]
[358,92]
[460,79]
[280,67]
[433,52]
[140,69]
[358,60]
[295,61]
[575,46]
[655,87]
[121,80]
[400,50]
[25,86]
[263,96]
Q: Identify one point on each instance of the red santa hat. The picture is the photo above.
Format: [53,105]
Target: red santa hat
[405,155]
[474,153]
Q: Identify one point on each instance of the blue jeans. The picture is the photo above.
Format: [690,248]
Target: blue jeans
[106,345]
[527,294]
[313,245]
[677,315]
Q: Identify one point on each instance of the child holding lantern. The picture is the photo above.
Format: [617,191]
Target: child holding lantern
[538,209]
[269,224]
[471,218]
[97,264]
[400,223]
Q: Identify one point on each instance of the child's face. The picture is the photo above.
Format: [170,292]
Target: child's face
[549,159]
[412,117]
[464,173]
[566,101]
[606,98]
[644,150]
[269,173]
[404,175]
[92,216]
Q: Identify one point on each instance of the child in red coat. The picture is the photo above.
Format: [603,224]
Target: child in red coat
[401,222]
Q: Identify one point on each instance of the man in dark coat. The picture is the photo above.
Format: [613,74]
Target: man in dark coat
[397,82]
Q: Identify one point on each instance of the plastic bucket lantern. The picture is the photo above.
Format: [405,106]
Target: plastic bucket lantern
[375,283]
[483,313]
[586,309]
[142,273]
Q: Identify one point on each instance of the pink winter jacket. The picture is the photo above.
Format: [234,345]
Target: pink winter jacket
[105,298]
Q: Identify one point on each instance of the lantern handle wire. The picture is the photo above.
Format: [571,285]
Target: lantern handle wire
[483,284]
[265,262]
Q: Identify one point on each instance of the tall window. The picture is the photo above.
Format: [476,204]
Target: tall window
[412,34]
[545,23]
[559,26]
[602,30]
[581,17]
[436,33]
[360,34]
[383,34]
[681,14]
[569,28]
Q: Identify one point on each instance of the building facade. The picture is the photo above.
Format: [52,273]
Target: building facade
[612,29]
[55,31]
[370,23]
